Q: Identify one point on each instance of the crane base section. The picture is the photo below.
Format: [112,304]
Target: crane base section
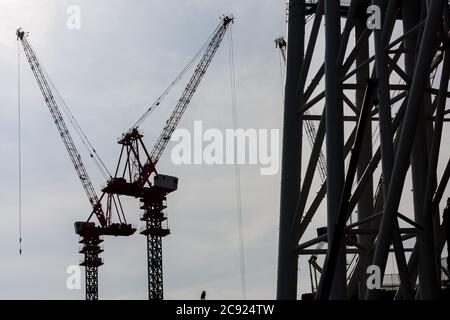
[155,229]
[91,237]
[91,250]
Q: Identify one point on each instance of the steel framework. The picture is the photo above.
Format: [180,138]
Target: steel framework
[380,101]
[155,230]
[91,250]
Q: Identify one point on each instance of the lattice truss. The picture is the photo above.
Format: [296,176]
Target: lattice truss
[377,103]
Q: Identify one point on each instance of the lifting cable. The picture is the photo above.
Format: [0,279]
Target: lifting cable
[19,128]
[79,131]
[76,126]
[237,171]
[282,71]
[174,82]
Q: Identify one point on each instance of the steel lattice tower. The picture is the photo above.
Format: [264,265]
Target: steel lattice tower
[91,250]
[155,231]
[378,97]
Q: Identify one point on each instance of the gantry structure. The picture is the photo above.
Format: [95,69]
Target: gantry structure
[377,94]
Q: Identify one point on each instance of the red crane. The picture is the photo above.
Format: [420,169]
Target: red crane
[136,165]
[134,168]
[89,232]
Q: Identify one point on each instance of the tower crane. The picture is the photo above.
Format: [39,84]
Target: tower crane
[136,164]
[89,232]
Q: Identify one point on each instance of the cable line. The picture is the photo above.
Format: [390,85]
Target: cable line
[175,81]
[237,171]
[19,128]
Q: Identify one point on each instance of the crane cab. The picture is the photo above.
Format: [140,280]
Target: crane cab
[166,183]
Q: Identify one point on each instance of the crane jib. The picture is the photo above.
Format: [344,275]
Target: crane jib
[184,100]
[62,128]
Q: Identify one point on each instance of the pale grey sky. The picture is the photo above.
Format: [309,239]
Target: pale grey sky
[109,71]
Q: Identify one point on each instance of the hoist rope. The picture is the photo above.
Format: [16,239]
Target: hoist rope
[76,126]
[82,136]
[183,72]
[79,131]
[282,68]
[237,171]
[19,128]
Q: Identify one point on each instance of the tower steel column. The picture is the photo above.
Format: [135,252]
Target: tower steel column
[291,155]
[365,203]
[419,165]
[401,164]
[386,131]
[334,136]
[408,108]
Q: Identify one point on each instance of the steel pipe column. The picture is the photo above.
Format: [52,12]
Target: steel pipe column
[415,101]
[334,137]
[291,155]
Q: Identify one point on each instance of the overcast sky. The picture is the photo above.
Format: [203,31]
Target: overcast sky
[109,72]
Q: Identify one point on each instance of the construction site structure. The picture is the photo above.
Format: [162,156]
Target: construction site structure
[378,94]
[90,233]
[132,180]
[136,165]
[309,128]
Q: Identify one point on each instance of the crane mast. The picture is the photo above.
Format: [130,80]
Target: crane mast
[136,165]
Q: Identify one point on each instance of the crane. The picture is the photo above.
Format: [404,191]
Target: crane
[89,232]
[280,43]
[136,164]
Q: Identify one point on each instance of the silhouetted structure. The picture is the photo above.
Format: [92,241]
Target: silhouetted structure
[392,104]
[88,231]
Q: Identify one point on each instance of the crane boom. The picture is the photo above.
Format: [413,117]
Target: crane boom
[189,91]
[171,124]
[62,128]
